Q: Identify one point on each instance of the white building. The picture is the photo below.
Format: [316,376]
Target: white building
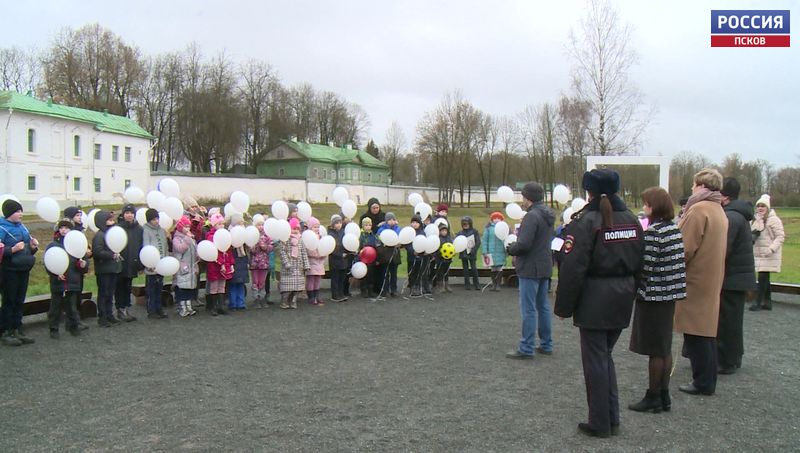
[75,156]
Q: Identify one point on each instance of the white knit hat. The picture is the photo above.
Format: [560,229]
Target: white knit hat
[764,200]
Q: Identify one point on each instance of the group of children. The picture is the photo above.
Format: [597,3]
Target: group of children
[228,276]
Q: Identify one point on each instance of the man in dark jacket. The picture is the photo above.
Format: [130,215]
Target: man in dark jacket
[739,278]
[130,262]
[107,266]
[534,266]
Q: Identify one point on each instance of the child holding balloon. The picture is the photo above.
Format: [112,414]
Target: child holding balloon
[442,263]
[18,260]
[367,239]
[154,235]
[337,260]
[65,288]
[316,266]
[388,257]
[107,266]
[260,264]
[416,260]
[238,283]
[469,256]
[219,271]
[294,262]
[184,249]
[494,250]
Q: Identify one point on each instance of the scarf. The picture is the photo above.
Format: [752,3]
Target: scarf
[294,245]
[703,194]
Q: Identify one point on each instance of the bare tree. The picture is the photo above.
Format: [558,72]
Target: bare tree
[572,124]
[510,143]
[489,142]
[393,147]
[19,69]
[258,91]
[156,106]
[682,170]
[603,58]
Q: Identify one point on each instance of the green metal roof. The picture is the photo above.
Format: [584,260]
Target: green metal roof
[104,122]
[331,154]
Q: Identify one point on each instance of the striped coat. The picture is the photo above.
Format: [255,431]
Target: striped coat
[293,270]
[664,264]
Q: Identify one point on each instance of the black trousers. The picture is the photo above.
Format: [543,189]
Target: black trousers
[470,270]
[106,286]
[764,293]
[600,377]
[702,353]
[122,293]
[15,287]
[67,300]
[730,342]
[337,283]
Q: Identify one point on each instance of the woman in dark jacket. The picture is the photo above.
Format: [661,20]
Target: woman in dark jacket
[374,213]
[602,259]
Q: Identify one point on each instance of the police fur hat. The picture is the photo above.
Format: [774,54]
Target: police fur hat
[601,181]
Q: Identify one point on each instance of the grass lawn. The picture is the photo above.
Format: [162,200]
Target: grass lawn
[790,217]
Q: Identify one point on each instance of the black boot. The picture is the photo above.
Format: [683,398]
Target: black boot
[666,401]
[211,304]
[650,403]
[496,279]
[767,305]
[466,284]
[755,307]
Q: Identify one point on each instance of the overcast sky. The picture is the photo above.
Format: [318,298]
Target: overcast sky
[397,59]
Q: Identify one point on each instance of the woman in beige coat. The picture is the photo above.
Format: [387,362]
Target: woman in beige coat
[705,233]
[768,237]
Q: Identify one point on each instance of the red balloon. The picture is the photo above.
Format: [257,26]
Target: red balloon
[368,254]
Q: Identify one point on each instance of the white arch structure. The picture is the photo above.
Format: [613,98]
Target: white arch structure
[663,164]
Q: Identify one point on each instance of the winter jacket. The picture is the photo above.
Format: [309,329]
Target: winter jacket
[293,269]
[240,260]
[222,268]
[532,249]
[259,253]
[412,256]
[470,253]
[437,256]
[739,261]
[600,268]
[338,258]
[768,247]
[492,245]
[74,274]
[104,261]
[131,266]
[388,254]
[154,235]
[10,235]
[184,248]
[664,266]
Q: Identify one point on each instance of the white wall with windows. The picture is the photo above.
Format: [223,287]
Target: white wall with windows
[67,160]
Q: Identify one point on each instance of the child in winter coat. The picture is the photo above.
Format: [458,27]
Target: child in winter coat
[494,250]
[389,259]
[107,265]
[218,272]
[470,255]
[441,265]
[65,289]
[154,282]
[18,260]
[294,262]
[368,238]
[316,268]
[237,285]
[130,262]
[417,262]
[260,265]
[184,249]
[337,260]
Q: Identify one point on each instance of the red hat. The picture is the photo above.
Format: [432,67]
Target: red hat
[442,207]
[183,222]
[496,215]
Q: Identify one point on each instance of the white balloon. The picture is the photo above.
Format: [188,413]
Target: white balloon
[423,209]
[207,251]
[407,235]
[323,231]
[173,207]
[310,240]
[89,220]
[326,245]
[578,204]
[167,266]
[252,236]
[561,193]
[414,199]
[567,216]
[359,270]
[439,221]
[350,242]
[238,236]
[303,211]
[155,200]
[432,244]
[75,244]
[460,243]
[419,244]
[280,210]
[240,201]
[169,187]
[271,227]
[352,228]
[432,230]
[284,231]
[501,230]
[48,209]
[349,208]
[258,218]
[389,238]
[222,239]
[510,239]
[149,256]
[229,210]
[116,239]
[505,194]
[514,211]
[141,216]
[56,260]
[165,221]
[340,195]
[133,195]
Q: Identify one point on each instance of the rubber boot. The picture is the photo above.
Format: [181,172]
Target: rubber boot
[650,403]
[211,304]
[496,280]
[221,309]
[666,401]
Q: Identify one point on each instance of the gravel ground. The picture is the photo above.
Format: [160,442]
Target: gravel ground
[396,375]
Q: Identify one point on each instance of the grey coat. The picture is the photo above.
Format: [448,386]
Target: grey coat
[532,249]
[184,248]
[155,236]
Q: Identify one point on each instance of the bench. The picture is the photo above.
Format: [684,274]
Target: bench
[35,305]
[784,288]
[508,275]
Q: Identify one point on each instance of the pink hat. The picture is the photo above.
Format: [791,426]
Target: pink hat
[216,219]
[294,223]
[183,222]
[312,222]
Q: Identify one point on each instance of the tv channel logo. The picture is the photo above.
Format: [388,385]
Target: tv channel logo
[750,28]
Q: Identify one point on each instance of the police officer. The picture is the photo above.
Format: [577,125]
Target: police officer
[602,259]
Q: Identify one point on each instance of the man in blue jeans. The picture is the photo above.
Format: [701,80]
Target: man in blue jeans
[534,266]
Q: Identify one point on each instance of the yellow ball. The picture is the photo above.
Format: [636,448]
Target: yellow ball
[447,250]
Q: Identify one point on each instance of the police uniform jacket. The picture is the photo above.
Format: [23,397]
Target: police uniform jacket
[600,268]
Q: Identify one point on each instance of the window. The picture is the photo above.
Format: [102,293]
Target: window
[31,142]
[316,173]
[76,184]
[97,186]
[280,153]
[127,183]
[280,172]
[115,153]
[369,176]
[341,174]
[127,154]
[31,182]
[98,151]
[355,175]
[76,146]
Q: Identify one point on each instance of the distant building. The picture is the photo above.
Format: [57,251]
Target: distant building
[321,163]
[70,154]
